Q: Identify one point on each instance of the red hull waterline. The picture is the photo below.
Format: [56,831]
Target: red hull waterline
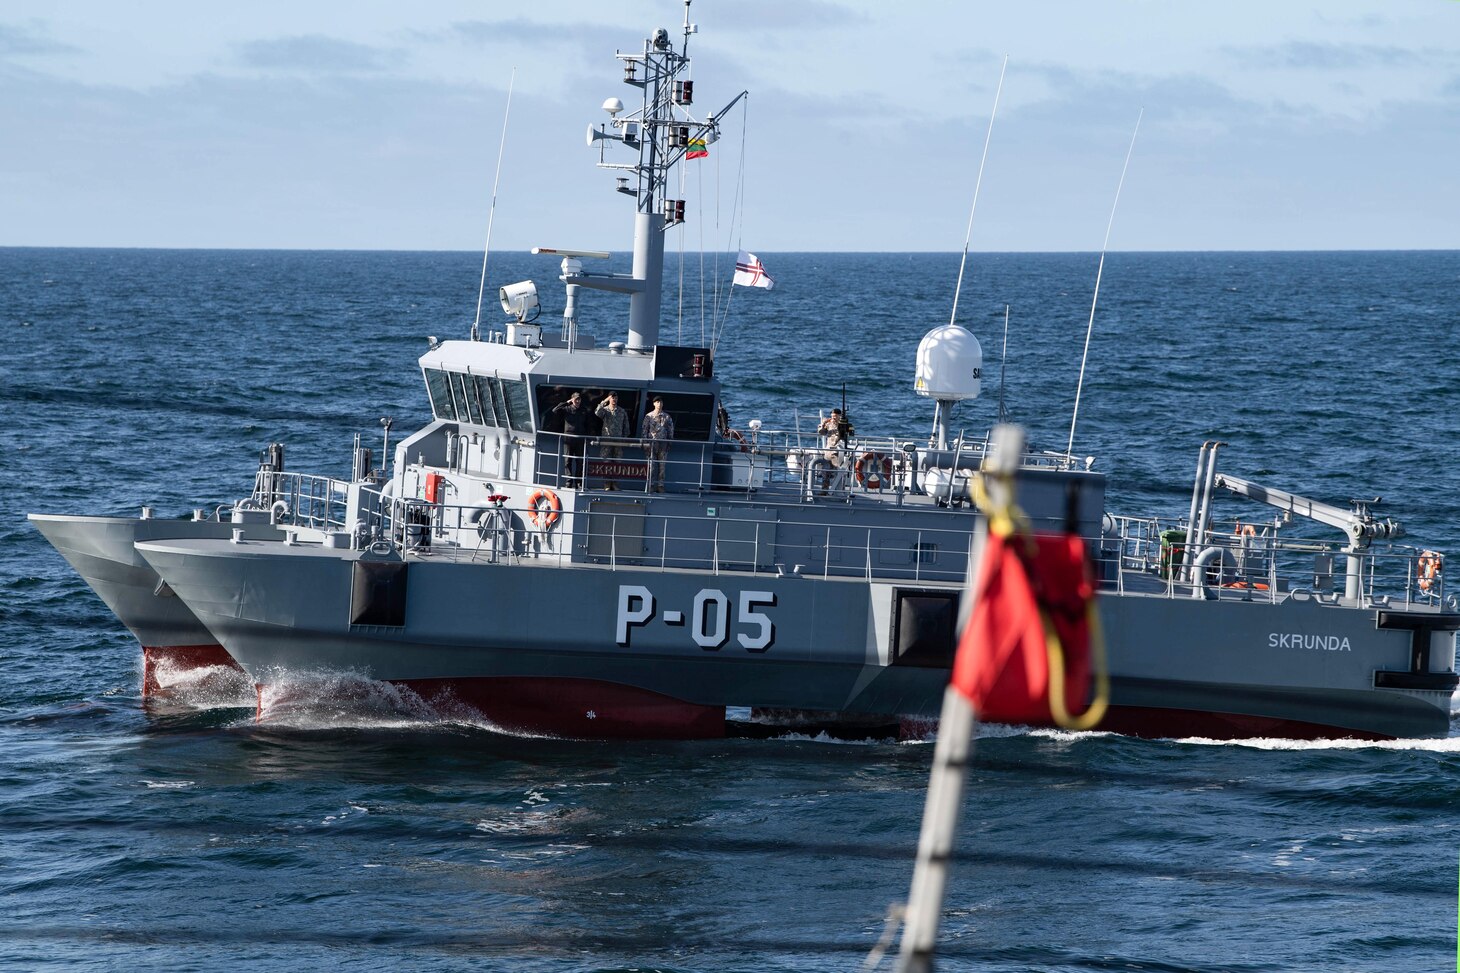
[590,709]
[576,709]
[179,658]
[1156,723]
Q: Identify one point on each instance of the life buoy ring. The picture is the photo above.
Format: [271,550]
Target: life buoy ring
[737,437]
[543,508]
[867,469]
[1429,569]
[1246,530]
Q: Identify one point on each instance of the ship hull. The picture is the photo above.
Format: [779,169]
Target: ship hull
[1179,667]
[102,551]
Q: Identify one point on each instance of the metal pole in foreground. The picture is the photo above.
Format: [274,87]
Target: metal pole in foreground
[940,827]
[950,756]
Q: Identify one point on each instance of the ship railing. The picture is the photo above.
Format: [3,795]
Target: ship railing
[1133,555]
[307,500]
[794,451]
[565,461]
[1257,562]
[724,540]
[772,458]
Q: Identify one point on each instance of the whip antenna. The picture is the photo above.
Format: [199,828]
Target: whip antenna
[476,326]
[1003,361]
[977,183]
[1070,448]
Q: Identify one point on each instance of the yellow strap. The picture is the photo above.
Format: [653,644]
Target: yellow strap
[1095,712]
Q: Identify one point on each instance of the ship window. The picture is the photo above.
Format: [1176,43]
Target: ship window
[692,413]
[484,396]
[467,407]
[439,389]
[519,412]
[499,403]
[481,401]
[549,396]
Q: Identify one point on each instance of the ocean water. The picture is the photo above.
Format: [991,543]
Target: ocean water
[354,829]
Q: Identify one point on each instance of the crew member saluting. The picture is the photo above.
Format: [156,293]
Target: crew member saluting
[615,427]
[575,427]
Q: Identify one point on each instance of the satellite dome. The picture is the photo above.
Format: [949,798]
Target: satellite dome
[950,364]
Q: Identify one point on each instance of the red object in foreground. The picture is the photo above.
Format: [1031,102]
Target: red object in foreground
[1003,664]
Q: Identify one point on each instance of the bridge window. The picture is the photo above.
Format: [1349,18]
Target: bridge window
[481,399]
[467,406]
[549,396]
[514,397]
[692,412]
[439,388]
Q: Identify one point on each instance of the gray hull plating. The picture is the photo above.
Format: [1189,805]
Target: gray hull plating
[1298,662]
[764,641]
[102,552]
[283,609]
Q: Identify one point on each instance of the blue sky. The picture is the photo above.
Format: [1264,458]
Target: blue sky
[1267,126]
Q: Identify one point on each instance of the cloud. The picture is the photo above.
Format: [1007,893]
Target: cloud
[520,31]
[749,15]
[774,14]
[1310,56]
[24,41]
[316,53]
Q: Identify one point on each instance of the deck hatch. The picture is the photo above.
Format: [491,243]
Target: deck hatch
[745,539]
[615,530]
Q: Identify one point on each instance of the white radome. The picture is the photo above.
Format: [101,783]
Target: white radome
[949,365]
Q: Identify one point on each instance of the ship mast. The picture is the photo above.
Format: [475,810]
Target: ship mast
[662,131]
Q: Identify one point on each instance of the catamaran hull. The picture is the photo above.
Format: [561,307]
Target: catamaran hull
[611,652]
[102,551]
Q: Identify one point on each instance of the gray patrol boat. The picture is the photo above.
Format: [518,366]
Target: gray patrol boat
[558,568]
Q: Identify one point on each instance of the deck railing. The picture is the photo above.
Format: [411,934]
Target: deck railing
[500,533]
[1257,562]
[1133,555]
[318,502]
[769,459]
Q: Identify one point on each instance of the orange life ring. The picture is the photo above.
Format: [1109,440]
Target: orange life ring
[540,515]
[1429,569]
[1247,530]
[866,469]
[1255,585]
[736,436]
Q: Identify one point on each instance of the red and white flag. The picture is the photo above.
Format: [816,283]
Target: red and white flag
[749,272]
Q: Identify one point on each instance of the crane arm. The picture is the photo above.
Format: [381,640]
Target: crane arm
[1360,525]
